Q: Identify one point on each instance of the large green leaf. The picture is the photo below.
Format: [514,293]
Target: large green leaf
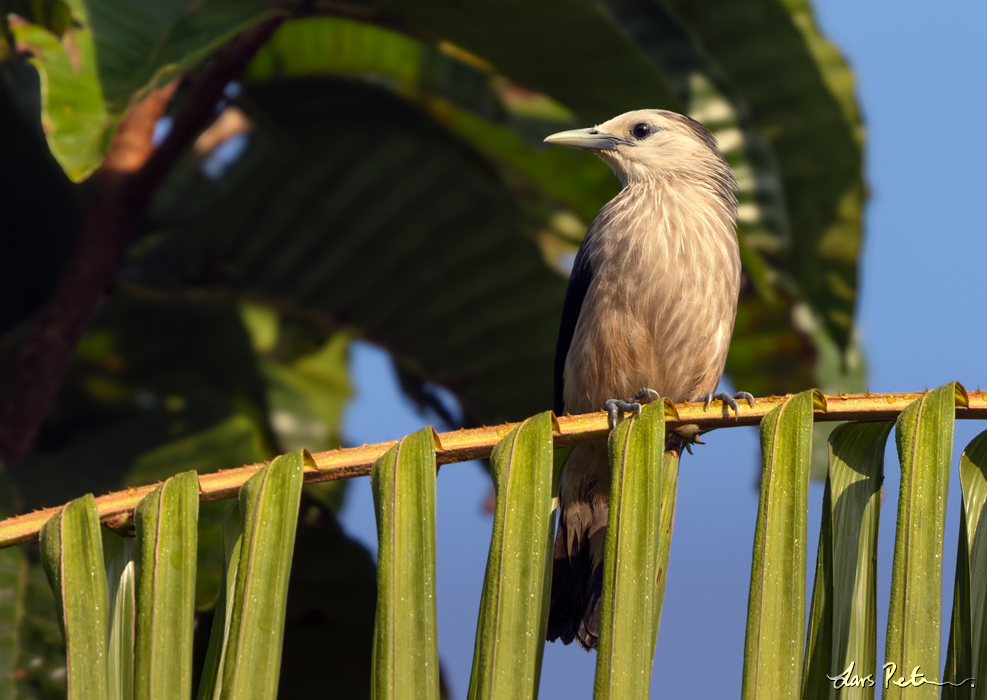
[841,643]
[53,15]
[406,651]
[966,654]
[269,509]
[456,92]
[569,50]
[776,607]
[626,647]
[513,615]
[72,554]
[75,119]
[314,46]
[351,208]
[166,520]
[141,46]
[924,435]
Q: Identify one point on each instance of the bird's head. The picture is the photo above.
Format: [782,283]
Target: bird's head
[651,143]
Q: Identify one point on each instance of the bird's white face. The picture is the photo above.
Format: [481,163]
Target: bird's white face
[647,143]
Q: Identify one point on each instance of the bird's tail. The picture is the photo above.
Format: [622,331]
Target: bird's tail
[577,573]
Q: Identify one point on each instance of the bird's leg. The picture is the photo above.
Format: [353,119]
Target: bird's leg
[729,400]
[615,408]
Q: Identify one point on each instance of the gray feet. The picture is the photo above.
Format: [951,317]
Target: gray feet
[729,400]
[616,408]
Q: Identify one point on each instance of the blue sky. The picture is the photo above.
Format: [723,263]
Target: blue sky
[922,86]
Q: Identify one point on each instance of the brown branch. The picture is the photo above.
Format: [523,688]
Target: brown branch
[121,189]
[465,445]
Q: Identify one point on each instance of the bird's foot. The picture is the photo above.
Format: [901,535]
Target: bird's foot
[728,400]
[616,408]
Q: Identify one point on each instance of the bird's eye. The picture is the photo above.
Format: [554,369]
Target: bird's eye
[641,131]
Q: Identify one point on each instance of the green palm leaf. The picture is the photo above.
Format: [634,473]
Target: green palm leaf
[776,608]
[406,652]
[510,634]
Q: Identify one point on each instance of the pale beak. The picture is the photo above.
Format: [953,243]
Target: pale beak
[588,139]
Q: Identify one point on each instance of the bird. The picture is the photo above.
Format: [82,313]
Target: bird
[649,311]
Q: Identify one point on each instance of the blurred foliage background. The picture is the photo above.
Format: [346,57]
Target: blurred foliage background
[375,171]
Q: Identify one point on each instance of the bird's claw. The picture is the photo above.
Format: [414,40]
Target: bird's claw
[729,400]
[645,393]
[616,408]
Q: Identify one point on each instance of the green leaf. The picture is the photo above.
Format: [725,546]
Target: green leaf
[453,89]
[140,47]
[535,45]
[510,634]
[72,554]
[406,652]
[269,508]
[167,528]
[73,113]
[966,654]
[118,557]
[842,636]
[318,45]
[53,15]
[776,608]
[315,167]
[626,650]
[924,435]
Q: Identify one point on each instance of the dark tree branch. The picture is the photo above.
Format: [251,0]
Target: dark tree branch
[121,189]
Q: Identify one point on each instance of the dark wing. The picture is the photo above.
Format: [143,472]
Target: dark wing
[579,280]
